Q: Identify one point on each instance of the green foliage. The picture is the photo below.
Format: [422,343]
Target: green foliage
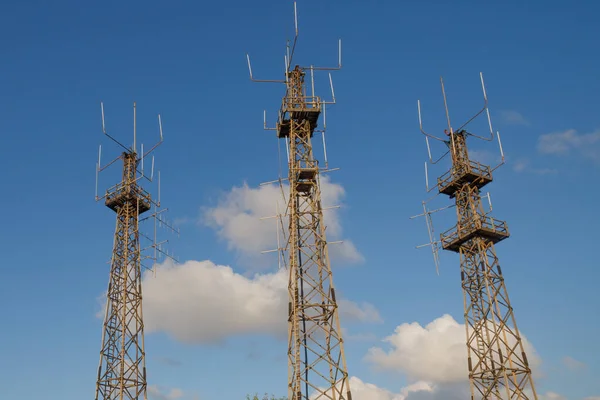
[265,397]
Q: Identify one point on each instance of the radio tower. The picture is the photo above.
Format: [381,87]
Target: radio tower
[122,369]
[316,360]
[498,366]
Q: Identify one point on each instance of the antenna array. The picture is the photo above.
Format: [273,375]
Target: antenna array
[122,367]
[498,365]
[316,359]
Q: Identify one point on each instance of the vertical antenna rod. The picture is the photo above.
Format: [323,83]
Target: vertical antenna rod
[497,363]
[134,130]
[316,360]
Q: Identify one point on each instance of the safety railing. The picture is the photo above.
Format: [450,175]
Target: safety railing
[132,191]
[309,103]
[472,168]
[482,224]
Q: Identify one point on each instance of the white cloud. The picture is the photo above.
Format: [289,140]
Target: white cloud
[427,391]
[573,364]
[432,353]
[236,218]
[524,165]
[158,393]
[367,391]
[435,353]
[364,312]
[420,390]
[200,302]
[562,143]
[513,117]
[551,396]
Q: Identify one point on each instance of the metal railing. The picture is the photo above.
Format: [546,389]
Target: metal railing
[473,167]
[301,103]
[119,189]
[480,222]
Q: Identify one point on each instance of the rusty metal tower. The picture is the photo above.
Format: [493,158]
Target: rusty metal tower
[497,363]
[122,368]
[316,360]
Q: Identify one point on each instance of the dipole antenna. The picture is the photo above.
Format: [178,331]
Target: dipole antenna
[316,358]
[122,369]
[498,365]
[433,244]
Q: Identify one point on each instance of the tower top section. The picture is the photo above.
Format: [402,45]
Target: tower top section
[129,191]
[463,169]
[463,181]
[298,103]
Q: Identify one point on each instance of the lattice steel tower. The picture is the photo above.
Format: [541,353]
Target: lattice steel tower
[122,369]
[497,363]
[316,360]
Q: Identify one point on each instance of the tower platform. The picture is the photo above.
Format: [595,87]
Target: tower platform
[298,109]
[121,195]
[473,173]
[483,227]
[305,179]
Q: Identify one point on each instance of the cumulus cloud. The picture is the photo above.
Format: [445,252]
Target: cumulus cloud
[434,353]
[513,117]
[158,393]
[562,143]
[420,390]
[368,391]
[201,302]
[237,219]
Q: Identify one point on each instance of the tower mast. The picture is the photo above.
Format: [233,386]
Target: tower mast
[315,355]
[497,362]
[316,360]
[122,368]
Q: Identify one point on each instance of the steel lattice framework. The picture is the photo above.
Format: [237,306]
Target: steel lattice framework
[497,363]
[316,360]
[498,366]
[122,369]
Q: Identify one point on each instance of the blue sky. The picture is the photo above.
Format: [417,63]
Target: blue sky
[186,60]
